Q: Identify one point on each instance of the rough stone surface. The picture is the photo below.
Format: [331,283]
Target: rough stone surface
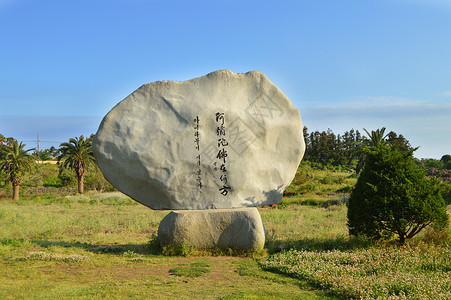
[147,146]
[240,228]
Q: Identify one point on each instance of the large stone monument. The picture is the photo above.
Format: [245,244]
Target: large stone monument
[218,144]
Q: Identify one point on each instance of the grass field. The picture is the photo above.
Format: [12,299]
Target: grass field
[103,246]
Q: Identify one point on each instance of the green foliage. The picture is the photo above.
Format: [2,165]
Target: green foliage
[95,181]
[15,161]
[66,178]
[12,242]
[327,150]
[446,192]
[399,141]
[428,163]
[77,155]
[177,250]
[446,160]
[47,178]
[393,196]
[376,137]
[45,155]
[309,181]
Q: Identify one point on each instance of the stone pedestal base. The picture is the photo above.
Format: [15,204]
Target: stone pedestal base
[240,228]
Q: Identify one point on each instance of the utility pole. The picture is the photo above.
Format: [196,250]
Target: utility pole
[37,147]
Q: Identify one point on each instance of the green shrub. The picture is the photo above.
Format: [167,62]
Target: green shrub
[177,250]
[35,181]
[393,196]
[327,180]
[332,180]
[67,178]
[446,192]
[95,181]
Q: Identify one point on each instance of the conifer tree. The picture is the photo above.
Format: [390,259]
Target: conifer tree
[393,197]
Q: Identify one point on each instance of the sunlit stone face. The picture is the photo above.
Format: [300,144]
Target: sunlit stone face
[224,140]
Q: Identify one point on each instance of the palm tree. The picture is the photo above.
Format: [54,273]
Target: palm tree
[15,163]
[376,137]
[77,155]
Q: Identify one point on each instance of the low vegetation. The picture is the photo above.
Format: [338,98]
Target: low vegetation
[419,271]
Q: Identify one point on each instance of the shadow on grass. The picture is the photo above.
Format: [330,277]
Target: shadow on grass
[151,248]
[252,268]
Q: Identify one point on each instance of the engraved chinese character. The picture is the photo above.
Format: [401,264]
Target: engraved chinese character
[220,131]
[222,142]
[225,190]
[220,118]
[222,154]
[223,178]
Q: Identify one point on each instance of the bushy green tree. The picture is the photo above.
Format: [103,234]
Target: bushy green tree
[393,197]
[399,141]
[446,160]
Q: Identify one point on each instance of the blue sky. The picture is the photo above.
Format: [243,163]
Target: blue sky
[344,64]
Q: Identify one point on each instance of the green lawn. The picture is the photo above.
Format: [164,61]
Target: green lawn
[101,246]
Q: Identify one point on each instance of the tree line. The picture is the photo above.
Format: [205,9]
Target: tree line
[327,149]
[15,160]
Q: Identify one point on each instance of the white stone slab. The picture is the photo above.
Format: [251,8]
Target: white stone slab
[249,143]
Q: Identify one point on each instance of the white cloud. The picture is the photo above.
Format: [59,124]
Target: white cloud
[446,93]
[381,101]
[366,101]
[393,113]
